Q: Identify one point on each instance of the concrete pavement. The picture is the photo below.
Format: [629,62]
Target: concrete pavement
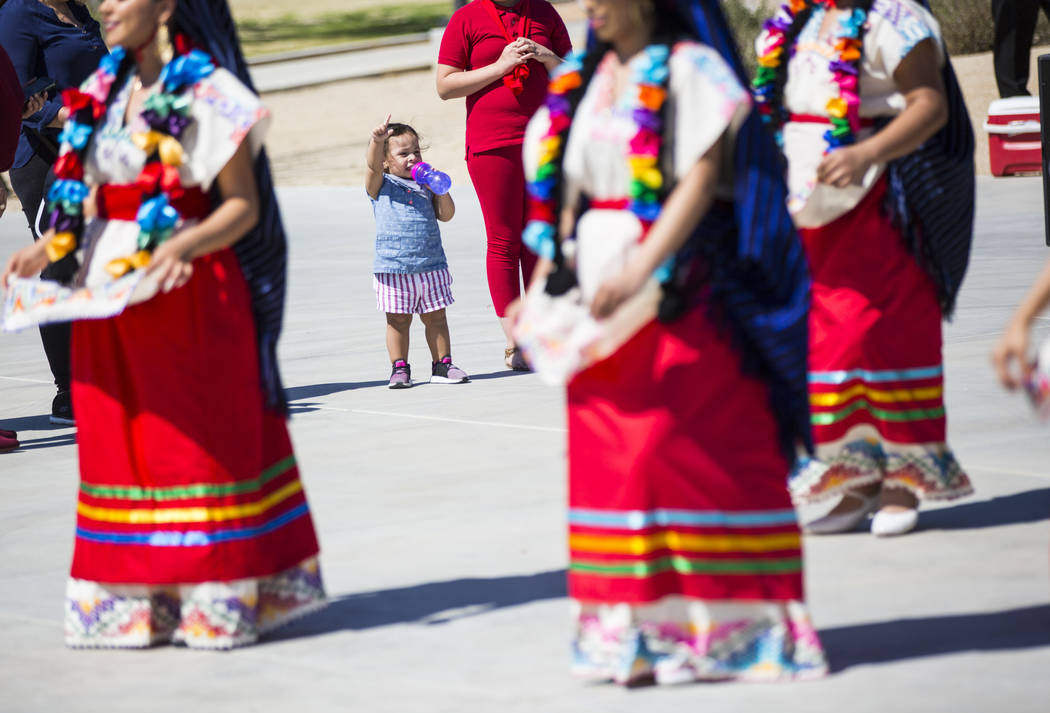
[441,517]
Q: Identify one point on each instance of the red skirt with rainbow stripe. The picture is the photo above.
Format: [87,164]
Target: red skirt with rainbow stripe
[875,370]
[185,478]
[685,553]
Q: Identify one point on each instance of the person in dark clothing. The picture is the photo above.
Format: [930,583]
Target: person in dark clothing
[11,98]
[57,39]
[1014,29]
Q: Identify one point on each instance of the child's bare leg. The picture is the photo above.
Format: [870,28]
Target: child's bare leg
[397,326]
[437,334]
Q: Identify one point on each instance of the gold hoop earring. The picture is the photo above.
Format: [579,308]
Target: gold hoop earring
[165,49]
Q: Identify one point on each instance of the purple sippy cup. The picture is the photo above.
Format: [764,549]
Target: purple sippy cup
[426,175]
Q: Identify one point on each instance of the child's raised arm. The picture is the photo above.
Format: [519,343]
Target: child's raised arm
[374,157]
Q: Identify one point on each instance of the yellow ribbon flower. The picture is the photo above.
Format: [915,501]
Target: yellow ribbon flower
[168,147]
[771,58]
[837,107]
[60,245]
[119,267]
[140,259]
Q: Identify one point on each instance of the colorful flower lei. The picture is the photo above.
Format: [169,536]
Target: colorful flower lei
[167,113]
[843,110]
[651,75]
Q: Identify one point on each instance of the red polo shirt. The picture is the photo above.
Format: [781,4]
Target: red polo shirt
[11,103]
[495,117]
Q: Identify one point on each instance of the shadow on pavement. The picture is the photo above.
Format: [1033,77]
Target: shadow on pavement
[1019,508]
[65,439]
[428,604]
[498,375]
[886,641]
[31,423]
[313,391]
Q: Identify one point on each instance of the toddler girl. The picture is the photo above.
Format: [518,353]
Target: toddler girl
[411,273]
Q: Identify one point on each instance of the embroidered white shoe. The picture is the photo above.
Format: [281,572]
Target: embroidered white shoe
[844,521]
[890,523]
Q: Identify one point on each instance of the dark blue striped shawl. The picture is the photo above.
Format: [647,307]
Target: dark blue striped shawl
[263,252]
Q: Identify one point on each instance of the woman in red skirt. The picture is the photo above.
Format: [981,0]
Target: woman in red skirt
[685,553]
[192,523]
[880,181]
[497,54]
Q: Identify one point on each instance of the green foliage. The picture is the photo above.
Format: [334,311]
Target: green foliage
[367,23]
[746,24]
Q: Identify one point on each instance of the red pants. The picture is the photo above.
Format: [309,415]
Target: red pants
[499,180]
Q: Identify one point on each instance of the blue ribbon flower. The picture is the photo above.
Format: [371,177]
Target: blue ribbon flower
[74,134]
[645,210]
[542,190]
[67,195]
[186,69]
[111,62]
[539,238]
[573,62]
[66,189]
[852,23]
[156,219]
[652,65]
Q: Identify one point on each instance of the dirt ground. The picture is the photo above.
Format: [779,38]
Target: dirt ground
[319,135]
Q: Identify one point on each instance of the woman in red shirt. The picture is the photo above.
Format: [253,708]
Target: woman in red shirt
[497,54]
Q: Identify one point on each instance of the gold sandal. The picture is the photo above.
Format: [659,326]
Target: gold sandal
[513,359]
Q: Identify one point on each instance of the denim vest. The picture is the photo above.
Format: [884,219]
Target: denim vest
[407,236]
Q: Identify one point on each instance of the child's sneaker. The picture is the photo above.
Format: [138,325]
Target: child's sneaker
[400,375]
[445,372]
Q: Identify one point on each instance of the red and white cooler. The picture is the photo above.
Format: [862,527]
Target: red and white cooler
[1014,142]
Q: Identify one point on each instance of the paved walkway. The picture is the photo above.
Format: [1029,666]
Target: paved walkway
[440,511]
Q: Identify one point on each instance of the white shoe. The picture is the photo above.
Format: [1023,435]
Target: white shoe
[888,524]
[843,522]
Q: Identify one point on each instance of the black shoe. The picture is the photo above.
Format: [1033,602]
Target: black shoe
[62,409]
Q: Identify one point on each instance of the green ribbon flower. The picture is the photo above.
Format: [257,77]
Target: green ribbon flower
[167,104]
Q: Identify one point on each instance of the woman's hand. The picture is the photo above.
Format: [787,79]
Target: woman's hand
[1012,346]
[170,265]
[845,166]
[534,50]
[27,262]
[616,290]
[513,54]
[34,104]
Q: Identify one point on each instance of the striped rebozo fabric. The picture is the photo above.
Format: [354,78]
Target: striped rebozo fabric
[263,252]
[758,274]
[931,196]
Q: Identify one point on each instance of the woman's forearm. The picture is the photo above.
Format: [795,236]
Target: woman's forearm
[60,119]
[926,113]
[233,217]
[918,76]
[682,212]
[227,224]
[460,83]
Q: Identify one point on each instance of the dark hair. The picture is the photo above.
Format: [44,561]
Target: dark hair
[400,129]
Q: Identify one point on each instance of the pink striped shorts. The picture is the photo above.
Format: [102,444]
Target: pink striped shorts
[416,293]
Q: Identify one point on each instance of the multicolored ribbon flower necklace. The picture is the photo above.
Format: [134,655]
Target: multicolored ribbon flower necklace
[167,113]
[650,75]
[843,110]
